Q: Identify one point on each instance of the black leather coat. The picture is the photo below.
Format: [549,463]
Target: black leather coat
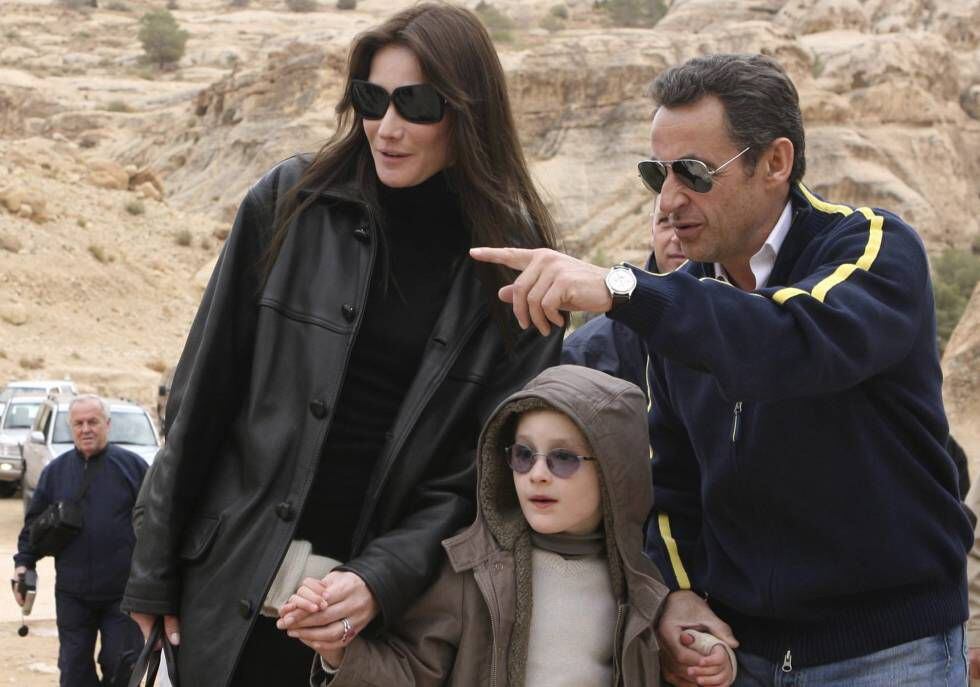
[252,403]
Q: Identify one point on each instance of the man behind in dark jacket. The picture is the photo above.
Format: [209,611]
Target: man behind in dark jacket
[91,570]
[806,508]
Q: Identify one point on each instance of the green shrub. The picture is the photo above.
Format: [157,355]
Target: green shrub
[643,13]
[955,273]
[550,22]
[117,6]
[77,4]
[498,24]
[184,237]
[163,40]
[346,4]
[301,5]
[559,11]
[118,106]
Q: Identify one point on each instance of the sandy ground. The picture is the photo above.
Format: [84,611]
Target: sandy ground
[30,661]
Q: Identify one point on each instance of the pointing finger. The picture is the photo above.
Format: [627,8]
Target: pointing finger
[515,258]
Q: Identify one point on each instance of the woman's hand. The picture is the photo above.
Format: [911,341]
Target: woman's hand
[326,615]
[171,626]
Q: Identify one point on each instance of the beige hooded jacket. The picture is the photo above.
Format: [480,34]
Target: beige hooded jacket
[471,627]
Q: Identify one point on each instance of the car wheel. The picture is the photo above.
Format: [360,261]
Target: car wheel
[8,489]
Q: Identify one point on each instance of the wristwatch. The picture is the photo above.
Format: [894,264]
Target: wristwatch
[620,281]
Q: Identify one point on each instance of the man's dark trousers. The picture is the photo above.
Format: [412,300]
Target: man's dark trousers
[79,621]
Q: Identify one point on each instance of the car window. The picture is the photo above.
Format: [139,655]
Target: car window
[131,428]
[62,433]
[20,415]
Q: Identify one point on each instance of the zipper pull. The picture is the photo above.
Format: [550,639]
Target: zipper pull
[788,662]
[735,421]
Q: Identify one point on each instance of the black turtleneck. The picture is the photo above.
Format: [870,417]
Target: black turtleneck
[423,237]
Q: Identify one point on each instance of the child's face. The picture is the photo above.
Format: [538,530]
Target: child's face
[551,505]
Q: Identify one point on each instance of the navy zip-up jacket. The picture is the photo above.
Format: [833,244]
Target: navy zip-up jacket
[800,473]
[95,564]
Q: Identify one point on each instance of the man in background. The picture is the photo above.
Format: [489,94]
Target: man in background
[91,571]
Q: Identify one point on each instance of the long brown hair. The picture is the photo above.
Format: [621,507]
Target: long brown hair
[499,203]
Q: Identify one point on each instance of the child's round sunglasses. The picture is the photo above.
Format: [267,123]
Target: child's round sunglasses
[694,174]
[417,103]
[561,462]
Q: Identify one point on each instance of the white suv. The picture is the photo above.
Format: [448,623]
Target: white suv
[132,428]
[16,421]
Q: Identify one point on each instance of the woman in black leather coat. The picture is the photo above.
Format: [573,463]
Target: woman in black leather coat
[343,360]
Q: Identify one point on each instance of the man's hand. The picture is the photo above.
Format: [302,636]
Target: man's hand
[685,610]
[18,576]
[974,657]
[549,283]
[171,626]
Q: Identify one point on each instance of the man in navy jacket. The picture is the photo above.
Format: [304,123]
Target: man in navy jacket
[806,508]
[92,569]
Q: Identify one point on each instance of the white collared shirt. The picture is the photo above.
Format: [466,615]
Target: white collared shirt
[762,262]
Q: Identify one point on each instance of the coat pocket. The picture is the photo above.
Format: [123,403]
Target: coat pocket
[198,538]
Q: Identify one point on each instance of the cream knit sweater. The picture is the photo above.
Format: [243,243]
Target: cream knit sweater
[573,620]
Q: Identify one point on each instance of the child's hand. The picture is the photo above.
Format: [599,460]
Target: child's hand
[713,670]
[307,600]
[717,665]
[333,657]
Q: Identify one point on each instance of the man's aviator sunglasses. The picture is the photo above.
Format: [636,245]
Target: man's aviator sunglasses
[561,462]
[692,173]
[418,103]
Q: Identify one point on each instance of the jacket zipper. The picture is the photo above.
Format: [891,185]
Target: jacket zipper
[493,628]
[788,662]
[618,646]
[736,421]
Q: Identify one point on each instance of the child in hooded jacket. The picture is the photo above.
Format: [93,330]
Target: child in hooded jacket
[549,586]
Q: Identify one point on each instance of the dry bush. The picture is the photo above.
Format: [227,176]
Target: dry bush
[32,363]
[302,5]
[118,106]
[135,207]
[100,253]
[157,364]
[184,237]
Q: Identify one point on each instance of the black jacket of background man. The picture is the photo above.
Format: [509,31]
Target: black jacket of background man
[95,563]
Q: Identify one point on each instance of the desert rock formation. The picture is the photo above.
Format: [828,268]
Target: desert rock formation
[890,90]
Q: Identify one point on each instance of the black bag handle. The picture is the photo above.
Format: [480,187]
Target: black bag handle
[148,662]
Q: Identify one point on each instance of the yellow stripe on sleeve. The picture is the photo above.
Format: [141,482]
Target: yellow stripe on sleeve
[683,581]
[839,275]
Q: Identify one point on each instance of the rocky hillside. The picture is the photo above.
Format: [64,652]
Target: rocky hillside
[890,90]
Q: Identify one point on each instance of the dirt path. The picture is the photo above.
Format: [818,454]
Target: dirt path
[30,661]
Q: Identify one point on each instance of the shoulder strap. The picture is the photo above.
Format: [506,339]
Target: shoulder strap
[90,471]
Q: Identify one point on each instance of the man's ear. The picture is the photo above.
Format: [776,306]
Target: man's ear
[778,160]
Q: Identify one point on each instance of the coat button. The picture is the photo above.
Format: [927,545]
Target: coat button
[350,312]
[318,408]
[285,511]
[245,608]
[362,235]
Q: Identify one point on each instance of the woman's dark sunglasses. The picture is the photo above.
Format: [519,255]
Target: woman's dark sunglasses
[561,462]
[692,173]
[418,103]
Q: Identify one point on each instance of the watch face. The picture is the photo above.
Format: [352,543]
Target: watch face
[621,280]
